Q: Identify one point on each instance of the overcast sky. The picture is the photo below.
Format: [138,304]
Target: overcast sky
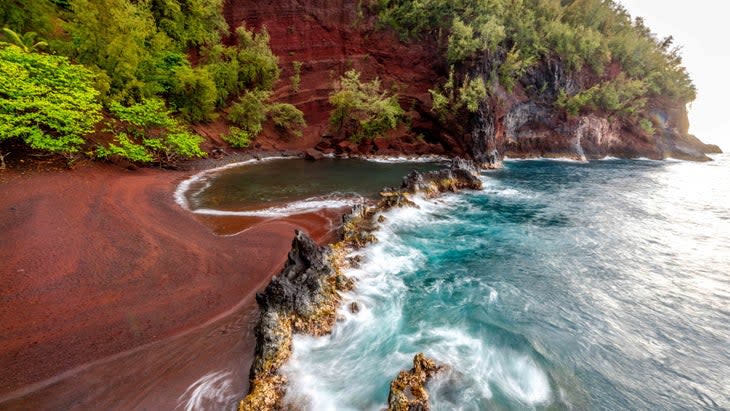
[702,27]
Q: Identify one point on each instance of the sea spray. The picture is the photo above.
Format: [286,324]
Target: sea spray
[304,297]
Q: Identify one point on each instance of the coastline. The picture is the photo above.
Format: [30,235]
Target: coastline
[101,266]
[305,296]
[61,222]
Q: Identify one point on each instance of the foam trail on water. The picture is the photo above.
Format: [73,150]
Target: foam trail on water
[351,369]
[392,160]
[297,207]
[212,391]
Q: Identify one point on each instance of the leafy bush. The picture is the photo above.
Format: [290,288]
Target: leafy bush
[250,111]
[150,112]
[296,78]
[472,93]
[46,101]
[287,117]
[237,138]
[125,148]
[619,96]
[363,110]
[647,126]
[182,144]
[258,66]
[194,95]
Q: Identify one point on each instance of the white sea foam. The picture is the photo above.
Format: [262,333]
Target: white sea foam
[556,159]
[399,159]
[212,391]
[475,366]
[350,367]
[297,207]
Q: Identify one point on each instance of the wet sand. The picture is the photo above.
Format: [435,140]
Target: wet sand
[113,297]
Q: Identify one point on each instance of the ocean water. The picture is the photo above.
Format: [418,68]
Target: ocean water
[601,285]
[280,187]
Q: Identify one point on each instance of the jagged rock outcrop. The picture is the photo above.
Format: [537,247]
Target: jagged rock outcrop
[303,298]
[460,175]
[408,389]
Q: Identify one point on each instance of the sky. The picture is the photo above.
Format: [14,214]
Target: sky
[702,28]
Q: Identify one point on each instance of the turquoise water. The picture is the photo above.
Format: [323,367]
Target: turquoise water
[559,286]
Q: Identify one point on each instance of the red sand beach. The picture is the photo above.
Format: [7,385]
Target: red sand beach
[113,297]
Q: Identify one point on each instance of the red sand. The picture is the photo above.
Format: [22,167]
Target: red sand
[100,265]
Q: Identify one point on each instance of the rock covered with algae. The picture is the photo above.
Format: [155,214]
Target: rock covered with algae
[408,389]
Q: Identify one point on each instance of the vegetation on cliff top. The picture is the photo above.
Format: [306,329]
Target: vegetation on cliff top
[148,67]
[608,61]
[362,110]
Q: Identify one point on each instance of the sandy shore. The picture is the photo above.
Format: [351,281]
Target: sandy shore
[111,295]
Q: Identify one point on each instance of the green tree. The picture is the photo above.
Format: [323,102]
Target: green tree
[45,101]
[361,109]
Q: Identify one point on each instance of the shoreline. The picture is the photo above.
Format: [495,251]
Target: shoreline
[89,280]
[305,296]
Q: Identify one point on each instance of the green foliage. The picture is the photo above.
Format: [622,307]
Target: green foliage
[296,78]
[361,109]
[462,43]
[513,68]
[250,111]
[154,131]
[176,145]
[190,22]
[182,144]
[259,67]
[472,92]
[46,101]
[194,94]
[441,104]
[580,35]
[621,96]
[113,35]
[647,126]
[125,148]
[27,41]
[23,15]
[237,138]
[287,117]
[149,113]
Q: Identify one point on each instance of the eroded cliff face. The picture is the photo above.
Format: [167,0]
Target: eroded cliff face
[329,37]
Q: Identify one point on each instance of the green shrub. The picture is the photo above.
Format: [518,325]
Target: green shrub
[250,112]
[258,66]
[620,96]
[462,43]
[182,144]
[363,110]
[647,126]
[287,117]
[125,148]
[237,138]
[194,95]
[472,93]
[150,112]
[296,78]
[45,101]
